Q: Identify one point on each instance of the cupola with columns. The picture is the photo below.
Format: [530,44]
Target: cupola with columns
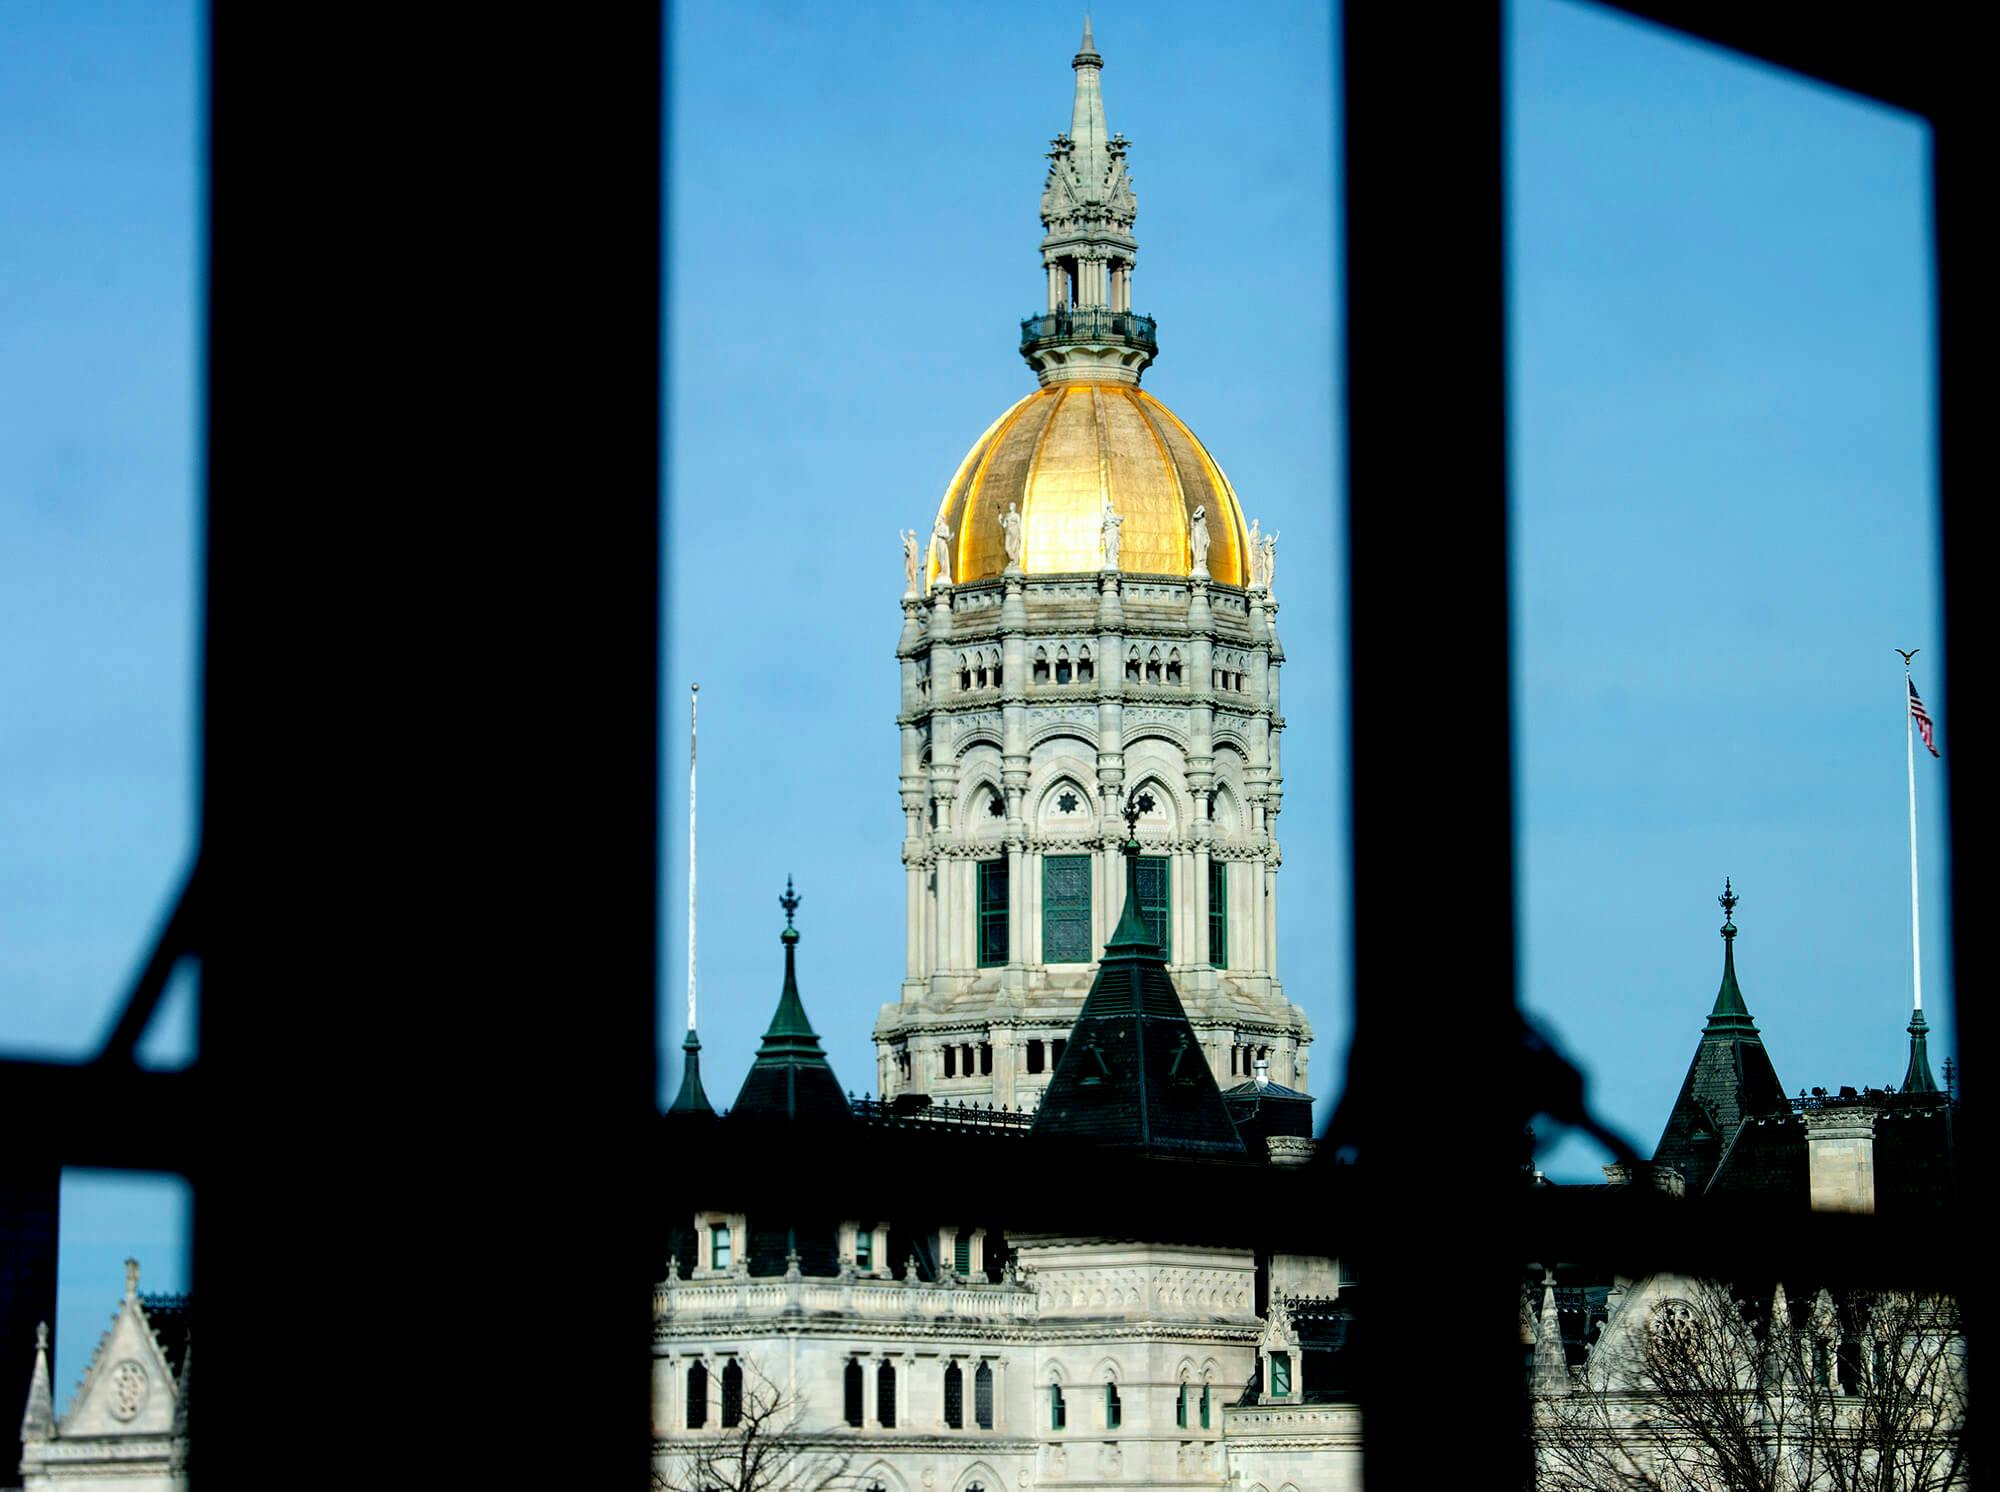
[1089,616]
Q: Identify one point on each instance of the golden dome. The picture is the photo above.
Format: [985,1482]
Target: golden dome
[1059,454]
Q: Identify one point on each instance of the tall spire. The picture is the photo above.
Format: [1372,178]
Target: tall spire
[1088,331]
[39,1422]
[791,1078]
[1730,1079]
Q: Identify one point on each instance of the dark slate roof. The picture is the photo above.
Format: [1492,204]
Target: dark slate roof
[1765,1159]
[791,1078]
[1916,1157]
[1133,1074]
[1260,1110]
[169,1317]
[1730,1079]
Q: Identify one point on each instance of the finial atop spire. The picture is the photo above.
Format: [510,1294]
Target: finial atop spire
[1088,331]
[1728,900]
[1088,48]
[131,1278]
[1917,1076]
[790,902]
[1136,808]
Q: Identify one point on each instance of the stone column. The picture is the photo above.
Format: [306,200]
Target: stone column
[1200,764]
[1107,888]
[1014,770]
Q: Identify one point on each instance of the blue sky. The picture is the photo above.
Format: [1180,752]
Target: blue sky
[1723,489]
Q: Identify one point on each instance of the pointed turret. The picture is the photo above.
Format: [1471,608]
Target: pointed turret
[1133,1074]
[1730,1079]
[1551,1358]
[692,1101]
[1088,331]
[1917,1077]
[791,1078]
[39,1422]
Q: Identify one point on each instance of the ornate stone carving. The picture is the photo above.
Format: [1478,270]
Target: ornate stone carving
[131,1386]
[1198,539]
[1010,536]
[941,550]
[913,580]
[1112,523]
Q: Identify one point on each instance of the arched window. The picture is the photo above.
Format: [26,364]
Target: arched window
[982,1398]
[885,1395]
[1132,666]
[964,672]
[993,666]
[1058,1411]
[986,1059]
[1153,666]
[1113,1410]
[855,1389]
[979,674]
[697,1395]
[1204,1405]
[1041,671]
[951,1061]
[1174,666]
[1062,666]
[1083,671]
[954,1396]
[732,1394]
[1181,1406]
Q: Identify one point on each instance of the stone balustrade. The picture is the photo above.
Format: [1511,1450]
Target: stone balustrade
[867,1297]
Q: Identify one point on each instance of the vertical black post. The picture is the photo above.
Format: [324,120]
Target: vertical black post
[430,771]
[1968,322]
[1427,587]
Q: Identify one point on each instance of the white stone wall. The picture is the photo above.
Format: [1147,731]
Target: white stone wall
[1056,759]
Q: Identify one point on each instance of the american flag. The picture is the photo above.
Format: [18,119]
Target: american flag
[1923,719]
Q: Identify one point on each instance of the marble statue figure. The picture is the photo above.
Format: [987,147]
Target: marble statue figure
[941,550]
[912,563]
[1010,530]
[1198,539]
[1112,523]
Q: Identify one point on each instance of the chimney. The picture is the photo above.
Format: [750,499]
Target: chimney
[1840,1158]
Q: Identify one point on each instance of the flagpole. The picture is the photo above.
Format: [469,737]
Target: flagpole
[1910,762]
[694,701]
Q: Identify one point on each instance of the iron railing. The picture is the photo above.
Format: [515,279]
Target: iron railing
[1086,323]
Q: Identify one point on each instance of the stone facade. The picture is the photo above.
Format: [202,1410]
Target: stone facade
[1031,707]
[126,1429]
[1104,1361]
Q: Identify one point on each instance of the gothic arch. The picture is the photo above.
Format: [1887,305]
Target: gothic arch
[1156,730]
[1085,736]
[981,1475]
[975,815]
[884,1473]
[1052,1372]
[1172,810]
[1228,817]
[1107,1372]
[1049,819]
[1228,739]
[979,735]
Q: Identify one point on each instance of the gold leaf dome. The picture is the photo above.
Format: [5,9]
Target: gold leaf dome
[1063,451]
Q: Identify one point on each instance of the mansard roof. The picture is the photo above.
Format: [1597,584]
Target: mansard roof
[1133,1074]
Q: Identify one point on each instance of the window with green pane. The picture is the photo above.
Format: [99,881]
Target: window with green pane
[1066,909]
[1218,914]
[992,913]
[1155,888]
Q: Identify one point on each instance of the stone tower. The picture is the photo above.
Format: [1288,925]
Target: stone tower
[1088,617]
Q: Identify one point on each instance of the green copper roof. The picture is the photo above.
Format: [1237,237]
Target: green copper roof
[1133,1074]
[791,1078]
[692,1099]
[1730,1079]
[1917,1077]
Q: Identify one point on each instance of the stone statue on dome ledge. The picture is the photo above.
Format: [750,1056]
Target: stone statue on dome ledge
[913,563]
[941,550]
[1010,534]
[1270,558]
[1198,539]
[1112,522]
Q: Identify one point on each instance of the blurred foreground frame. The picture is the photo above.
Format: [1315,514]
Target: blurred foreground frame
[428,877]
